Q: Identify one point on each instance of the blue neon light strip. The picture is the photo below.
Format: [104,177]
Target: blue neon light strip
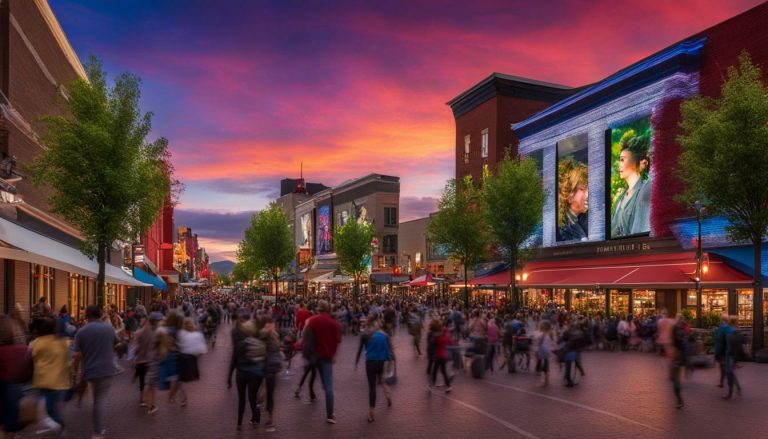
[662,64]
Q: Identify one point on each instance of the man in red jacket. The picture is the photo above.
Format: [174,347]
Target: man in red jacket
[301,317]
[325,334]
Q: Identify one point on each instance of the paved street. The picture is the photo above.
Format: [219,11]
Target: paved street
[623,395]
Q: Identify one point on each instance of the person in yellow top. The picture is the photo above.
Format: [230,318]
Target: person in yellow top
[50,355]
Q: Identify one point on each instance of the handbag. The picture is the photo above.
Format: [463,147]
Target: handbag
[390,373]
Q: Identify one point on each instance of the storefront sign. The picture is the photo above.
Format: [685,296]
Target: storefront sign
[612,248]
[138,255]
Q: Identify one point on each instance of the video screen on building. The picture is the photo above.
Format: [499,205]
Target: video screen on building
[630,178]
[572,189]
[305,240]
[536,238]
[324,229]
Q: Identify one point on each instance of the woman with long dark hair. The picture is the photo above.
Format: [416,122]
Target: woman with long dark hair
[378,350]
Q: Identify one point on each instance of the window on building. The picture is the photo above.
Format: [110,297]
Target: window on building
[466,148]
[484,144]
[390,216]
[41,284]
[390,244]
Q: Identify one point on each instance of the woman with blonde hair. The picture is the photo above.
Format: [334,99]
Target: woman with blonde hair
[573,194]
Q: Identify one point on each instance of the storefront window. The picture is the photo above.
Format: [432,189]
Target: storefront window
[588,302]
[714,303]
[41,285]
[558,297]
[619,303]
[77,296]
[643,303]
[744,306]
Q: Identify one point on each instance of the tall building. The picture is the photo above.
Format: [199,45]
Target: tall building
[39,252]
[484,112]
[606,247]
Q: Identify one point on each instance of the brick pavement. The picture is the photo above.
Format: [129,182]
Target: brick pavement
[623,395]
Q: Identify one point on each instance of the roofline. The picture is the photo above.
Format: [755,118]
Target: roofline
[676,56]
[510,78]
[60,37]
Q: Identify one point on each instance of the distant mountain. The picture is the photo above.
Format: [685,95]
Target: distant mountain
[223,268]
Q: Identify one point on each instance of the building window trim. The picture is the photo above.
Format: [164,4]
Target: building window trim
[484,144]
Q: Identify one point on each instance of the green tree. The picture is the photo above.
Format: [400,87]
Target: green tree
[459,226]
[352,244]
[513,200]
[724,163]
[239,273]
[103,175]
[267,246]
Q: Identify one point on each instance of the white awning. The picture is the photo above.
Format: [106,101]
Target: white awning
[26,245]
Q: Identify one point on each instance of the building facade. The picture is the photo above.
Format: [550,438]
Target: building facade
[484,113]
[419,256]
[613,235]
[40,253]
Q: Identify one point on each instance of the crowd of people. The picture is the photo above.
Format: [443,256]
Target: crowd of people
[56,358]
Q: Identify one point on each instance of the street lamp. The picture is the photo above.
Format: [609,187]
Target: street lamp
[697,206]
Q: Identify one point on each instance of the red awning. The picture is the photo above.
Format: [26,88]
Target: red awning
[425,280]
[675,270]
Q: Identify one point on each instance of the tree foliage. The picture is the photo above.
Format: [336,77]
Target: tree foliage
[352,244]
[459,225]
[724,162]
[513,201]
[267,246]
[105,178]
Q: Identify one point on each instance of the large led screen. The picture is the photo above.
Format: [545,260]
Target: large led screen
[630,181]
[572,189]
[324,229]
[306,230]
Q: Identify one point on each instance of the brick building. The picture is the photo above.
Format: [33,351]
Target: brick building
[39,252]
[636,268]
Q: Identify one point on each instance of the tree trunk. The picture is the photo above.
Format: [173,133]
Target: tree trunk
[101,259]
[757,300]
[275,277]
[513,279]
[466,287]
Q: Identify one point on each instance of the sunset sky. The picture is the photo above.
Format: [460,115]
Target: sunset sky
[247,90]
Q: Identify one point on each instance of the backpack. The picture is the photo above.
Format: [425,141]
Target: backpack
[736,345]
[255,349]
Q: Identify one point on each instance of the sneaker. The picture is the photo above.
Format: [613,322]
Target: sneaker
[331,420]
[152,409]
[448,389]
[143,404]
[270,426]
[255,424]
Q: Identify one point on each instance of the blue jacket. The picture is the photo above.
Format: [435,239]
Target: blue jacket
[376,347]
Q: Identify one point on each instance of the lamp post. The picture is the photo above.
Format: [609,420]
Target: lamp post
[697,206]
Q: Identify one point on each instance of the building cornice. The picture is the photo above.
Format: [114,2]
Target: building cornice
[60,37]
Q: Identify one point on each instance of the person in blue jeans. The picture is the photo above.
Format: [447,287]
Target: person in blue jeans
[325,337]
[94,348]
[378,350]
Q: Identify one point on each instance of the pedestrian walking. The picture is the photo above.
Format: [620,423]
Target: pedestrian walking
[248,359]
[378,351]
[545,343]
[674,349]
[415,329]
[191,343]
[326,336]
[14,374]
[720,344]
[439,339]
[307,347]
[146,360]
[94,348]
[734,352]
[50,355]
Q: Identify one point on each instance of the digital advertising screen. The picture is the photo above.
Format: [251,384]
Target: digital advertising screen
[324,229]
[631,150]
[572,189]
[306,230]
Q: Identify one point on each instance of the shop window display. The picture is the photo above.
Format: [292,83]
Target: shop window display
[588,301]
[644,303]
[744,306]
[619,302]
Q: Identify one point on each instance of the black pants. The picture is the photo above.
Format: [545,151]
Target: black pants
[311,370]
[417,343]
[374,370]
[674,376]
[440,364]
[270,382]
[490,356]
[141,373]
[246,382]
